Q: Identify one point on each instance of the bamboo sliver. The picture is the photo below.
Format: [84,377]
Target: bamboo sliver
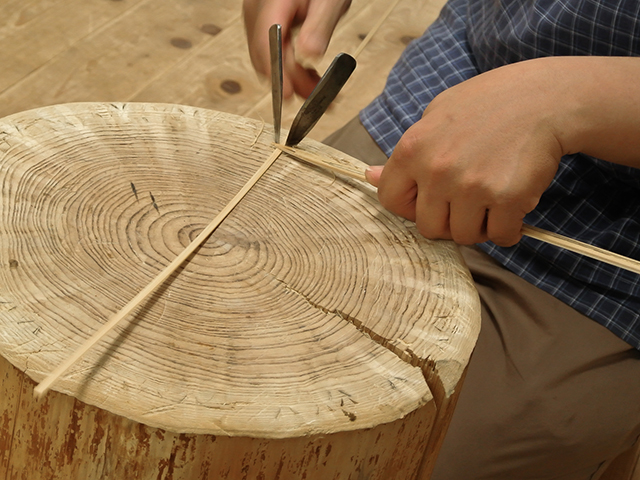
[328,163]
[533,232]
[582,248]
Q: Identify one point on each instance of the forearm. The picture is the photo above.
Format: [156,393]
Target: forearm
[486,149]
[600,112]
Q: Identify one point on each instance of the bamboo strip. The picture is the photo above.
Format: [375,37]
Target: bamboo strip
[582,248]
[44,386]
[551,238]
[331,164]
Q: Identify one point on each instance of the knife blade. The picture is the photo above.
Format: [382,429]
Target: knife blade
[325,92]
[275,49]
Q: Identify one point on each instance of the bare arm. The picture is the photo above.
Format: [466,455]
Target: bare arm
[485,150]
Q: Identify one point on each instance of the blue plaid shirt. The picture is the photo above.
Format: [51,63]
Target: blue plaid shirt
[591,200]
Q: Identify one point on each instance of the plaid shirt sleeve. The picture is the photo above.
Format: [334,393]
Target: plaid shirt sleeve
[589,199]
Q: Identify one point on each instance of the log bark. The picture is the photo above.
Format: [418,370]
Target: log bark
[313,335]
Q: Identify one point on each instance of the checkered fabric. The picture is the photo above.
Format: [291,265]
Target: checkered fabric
[590,200]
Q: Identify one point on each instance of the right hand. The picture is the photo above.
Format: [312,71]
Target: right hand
[485,150]
[317,20]
[482,154]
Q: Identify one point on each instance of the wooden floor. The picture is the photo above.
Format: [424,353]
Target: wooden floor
[189,52]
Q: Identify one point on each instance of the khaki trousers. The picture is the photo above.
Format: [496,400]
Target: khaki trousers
[549,393]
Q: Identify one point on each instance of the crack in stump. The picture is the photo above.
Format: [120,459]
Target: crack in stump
[426,365]
[407,355]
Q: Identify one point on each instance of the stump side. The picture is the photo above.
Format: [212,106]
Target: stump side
[60,437]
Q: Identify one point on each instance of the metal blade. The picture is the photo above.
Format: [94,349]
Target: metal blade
[275,48]
[327,89]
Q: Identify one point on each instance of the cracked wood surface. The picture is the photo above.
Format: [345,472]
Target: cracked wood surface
[308,271]
[309,311]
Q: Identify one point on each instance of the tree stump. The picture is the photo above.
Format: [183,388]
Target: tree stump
[313,335]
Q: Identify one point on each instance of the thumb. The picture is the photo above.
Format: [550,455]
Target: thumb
[372,174]
[317,28]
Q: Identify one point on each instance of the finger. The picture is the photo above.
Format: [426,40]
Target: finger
[397,191]
[304,81]
[432,216]
[315,33]
[468,223]
[504,227]
[258,20]
[372,174]
[296,78]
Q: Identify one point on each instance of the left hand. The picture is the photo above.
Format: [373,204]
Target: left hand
[317,20]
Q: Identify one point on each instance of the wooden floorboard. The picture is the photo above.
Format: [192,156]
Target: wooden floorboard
[190,52]
[32,41]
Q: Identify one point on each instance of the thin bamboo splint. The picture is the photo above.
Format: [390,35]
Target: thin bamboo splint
[591,251]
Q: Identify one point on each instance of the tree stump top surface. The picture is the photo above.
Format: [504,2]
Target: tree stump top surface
[309,310]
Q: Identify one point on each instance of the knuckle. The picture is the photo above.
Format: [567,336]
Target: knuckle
[474,187]
[506,235]
[408,148]
[528,205]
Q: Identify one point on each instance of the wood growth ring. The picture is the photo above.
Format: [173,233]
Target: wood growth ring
[309,310]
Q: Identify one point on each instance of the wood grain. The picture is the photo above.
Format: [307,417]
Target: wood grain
[159,279]
[106,50]
[40,36]
[310,313]
[59,438]
[168,51]
[318,278]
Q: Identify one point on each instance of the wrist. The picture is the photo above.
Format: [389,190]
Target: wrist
[599,105]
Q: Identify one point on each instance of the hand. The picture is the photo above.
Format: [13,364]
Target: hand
[480,157]
[317,20]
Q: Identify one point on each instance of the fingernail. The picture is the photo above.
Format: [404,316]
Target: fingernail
[372,174]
